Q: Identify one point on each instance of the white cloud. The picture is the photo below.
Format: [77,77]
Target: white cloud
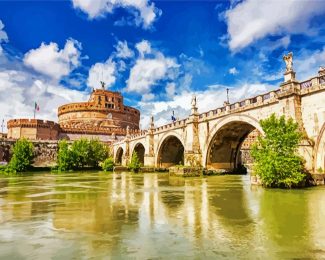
[3,36]
[19,90]
[143,47]
[145,12]
[148,97]
[102,72]
[307,63]
[233,71]
[170,89]
[251,20]
[123,51]
[49,60]
[148,71]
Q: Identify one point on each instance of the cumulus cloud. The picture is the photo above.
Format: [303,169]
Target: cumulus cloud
[233,71]
[19,89]
[49,60]
[252,20]
[170,89]
[145,12]
[123,51]
[307,63]
[148,71]
[3,36]
[102,72]
[143,47]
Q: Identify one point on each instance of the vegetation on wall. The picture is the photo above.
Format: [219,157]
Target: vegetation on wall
[81,154]
[275,153]
[22,157]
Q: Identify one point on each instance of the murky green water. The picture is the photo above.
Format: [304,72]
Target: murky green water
[152,216]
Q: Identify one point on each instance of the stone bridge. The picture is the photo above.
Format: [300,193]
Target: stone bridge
[214,138]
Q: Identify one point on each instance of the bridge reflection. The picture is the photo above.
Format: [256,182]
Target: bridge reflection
[148,215]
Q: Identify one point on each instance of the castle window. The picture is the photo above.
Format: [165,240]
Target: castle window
[113,99]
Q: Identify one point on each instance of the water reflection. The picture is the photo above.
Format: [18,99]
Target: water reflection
[154,215]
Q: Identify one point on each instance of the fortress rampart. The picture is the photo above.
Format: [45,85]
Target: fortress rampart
[33,129]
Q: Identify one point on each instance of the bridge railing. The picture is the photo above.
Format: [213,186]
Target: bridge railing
[242,105]
[312,84]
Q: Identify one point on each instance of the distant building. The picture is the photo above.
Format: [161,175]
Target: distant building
[33,129]
[104,116]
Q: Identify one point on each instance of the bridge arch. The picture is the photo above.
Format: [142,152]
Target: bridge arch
[139,148]
[170,150]
[225,139]
[119,155]
[320,150]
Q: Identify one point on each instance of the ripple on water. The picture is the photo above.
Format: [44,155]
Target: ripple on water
[154,216]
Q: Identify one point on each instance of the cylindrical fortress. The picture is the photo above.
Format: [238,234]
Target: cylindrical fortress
[104,113]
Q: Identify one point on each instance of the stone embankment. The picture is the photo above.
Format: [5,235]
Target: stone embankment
[45,152]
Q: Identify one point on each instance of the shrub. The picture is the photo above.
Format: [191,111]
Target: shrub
[98,152]
[65,157]
[81,154]
[276,161]
[22,158]
[108,164]
[135,164]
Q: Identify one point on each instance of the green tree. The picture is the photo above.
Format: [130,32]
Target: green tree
[98,152]
[81,154]
[23,154]
[65,156]
[275,154]
[135,164]
[108,164]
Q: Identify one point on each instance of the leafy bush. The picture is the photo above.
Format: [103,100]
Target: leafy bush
[135,164]
[22,158]
[276,161]
[81,154]
[65,157]
[98,152]
[108,164]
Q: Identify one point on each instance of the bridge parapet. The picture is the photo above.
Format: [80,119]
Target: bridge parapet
[312,85]
[140,134]
[243,105]
[174,125]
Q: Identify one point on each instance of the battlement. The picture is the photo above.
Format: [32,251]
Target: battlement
[32,123]
[34,129]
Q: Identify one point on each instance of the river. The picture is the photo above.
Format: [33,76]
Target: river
[154,216]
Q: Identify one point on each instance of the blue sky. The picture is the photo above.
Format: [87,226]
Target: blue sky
[157,53]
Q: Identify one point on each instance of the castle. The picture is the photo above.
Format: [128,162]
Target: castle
[104,116]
